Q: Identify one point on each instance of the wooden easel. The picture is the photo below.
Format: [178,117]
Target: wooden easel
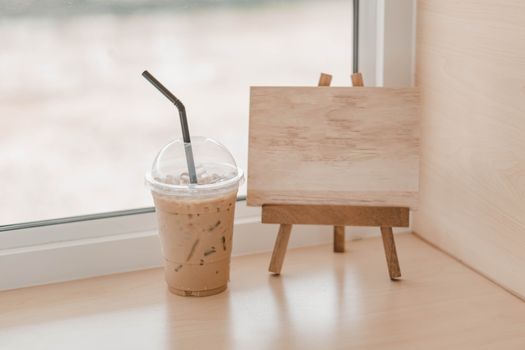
[337,215]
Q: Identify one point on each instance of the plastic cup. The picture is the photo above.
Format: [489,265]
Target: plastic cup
[195,220]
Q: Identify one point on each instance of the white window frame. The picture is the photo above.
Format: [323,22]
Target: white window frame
[85,246]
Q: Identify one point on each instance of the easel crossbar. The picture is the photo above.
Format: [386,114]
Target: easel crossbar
[339,215]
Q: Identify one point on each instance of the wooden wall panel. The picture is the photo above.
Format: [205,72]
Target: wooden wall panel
[471,73]
[319,145]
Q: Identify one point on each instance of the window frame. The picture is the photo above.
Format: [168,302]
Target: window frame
[41,252]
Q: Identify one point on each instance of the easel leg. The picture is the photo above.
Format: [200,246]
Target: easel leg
[279,250]
[390,252]
[357,79]
[339,231]
[339,239]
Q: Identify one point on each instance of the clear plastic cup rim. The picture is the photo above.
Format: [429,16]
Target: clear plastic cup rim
[164,188]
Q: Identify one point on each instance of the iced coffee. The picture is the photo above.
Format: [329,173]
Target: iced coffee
[196,236]
[196,220]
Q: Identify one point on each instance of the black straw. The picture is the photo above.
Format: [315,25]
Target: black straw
[183,123]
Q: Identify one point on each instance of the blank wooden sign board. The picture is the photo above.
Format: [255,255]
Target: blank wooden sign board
[339,145]
[337,156]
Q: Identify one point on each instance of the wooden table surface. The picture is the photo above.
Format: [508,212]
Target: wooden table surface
[322,301]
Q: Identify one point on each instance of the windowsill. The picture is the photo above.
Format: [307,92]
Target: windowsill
[82,249]
[322,300]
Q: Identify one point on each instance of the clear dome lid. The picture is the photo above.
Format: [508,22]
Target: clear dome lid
[215,167]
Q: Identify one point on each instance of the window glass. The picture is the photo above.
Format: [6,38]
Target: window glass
[80,126]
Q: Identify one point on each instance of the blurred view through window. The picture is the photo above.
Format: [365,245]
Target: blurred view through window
[80,126]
